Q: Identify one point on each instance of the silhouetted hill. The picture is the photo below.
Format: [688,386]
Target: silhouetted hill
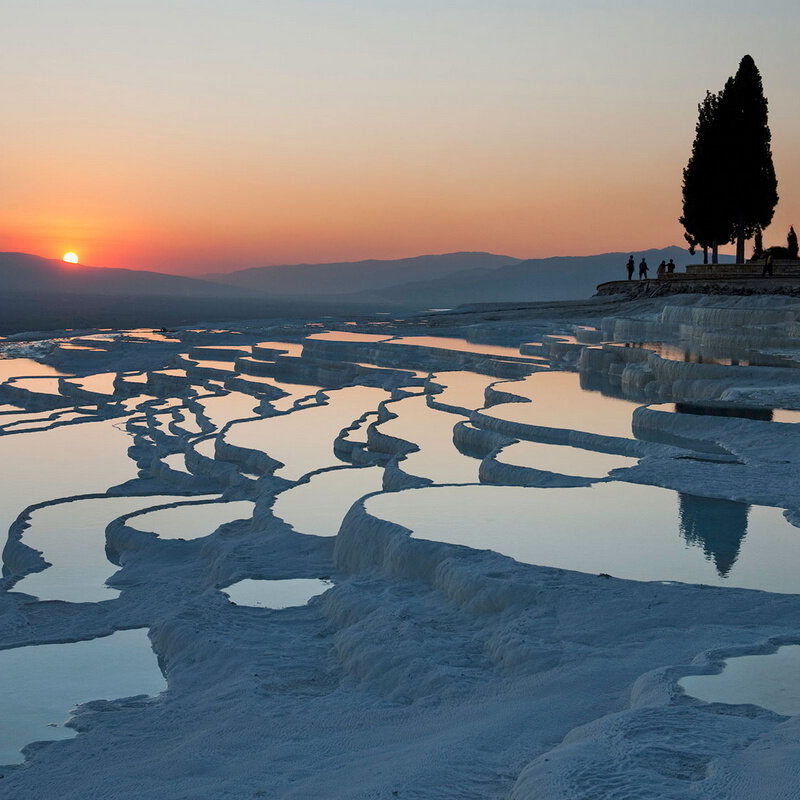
[44,294]
[22,272]
[556,278]
[41,293]
[349,277]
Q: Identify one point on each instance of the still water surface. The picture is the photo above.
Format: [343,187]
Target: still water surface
[770,681]
[318,507]
[42,683]
[276,594]
[70,460]
[192,520]
[432,431]
[629,531]
[302,440]
[563,459]
[71,537]
[558,401]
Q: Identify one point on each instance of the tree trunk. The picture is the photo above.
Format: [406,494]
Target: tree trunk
[705,254]
[715,253]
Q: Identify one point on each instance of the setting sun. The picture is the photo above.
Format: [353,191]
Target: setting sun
[71,258]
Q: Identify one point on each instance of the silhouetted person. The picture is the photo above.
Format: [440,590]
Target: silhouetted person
[662,268]
[629,267]
[671,267]
[767,266]
[642,270]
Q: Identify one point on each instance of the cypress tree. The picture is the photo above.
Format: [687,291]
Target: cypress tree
[749,187]
[705,218]
[729,186]
[791,243]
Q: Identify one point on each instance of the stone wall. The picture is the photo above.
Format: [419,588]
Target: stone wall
[781,266]
[682,283]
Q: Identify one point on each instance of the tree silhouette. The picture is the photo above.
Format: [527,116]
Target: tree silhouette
[752,188]
[791,243]
[729,185]
[717,526]
[705,219]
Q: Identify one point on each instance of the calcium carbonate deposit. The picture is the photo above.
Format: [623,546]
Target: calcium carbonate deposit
[503,552]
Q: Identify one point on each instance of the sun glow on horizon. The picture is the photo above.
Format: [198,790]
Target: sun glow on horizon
[406,128]
[70,258]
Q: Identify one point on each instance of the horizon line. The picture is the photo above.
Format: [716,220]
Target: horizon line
[200,275]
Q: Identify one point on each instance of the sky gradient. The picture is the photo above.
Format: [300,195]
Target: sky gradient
[206,136]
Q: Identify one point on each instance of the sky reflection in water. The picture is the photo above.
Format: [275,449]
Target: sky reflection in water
[558,401]
[771,681]
[627,530]
[42,683]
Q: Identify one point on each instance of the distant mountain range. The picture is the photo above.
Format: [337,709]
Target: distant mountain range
[22,272]
[449,280]
[350,277]
[533,279]
[41,294]
[46,293]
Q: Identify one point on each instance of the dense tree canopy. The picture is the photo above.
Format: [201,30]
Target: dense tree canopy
[705,219]
[729,185]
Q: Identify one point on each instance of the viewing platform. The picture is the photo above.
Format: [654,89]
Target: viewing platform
[744,279]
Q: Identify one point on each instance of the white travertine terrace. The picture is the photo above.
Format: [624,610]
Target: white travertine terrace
[532,525]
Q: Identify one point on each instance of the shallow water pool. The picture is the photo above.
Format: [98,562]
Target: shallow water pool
[302,440]
[12,367]
[220,410]
[276,594]
[282,348]
[192,520]
[71,537]
[177,462]
[563,459]
[771,681]
[629,531]
[460,345]
[558,401]
[38,385]
[61,462]
[42,683]
[349,336]
[432,431]
[318,507]
[100,383]
[462,388]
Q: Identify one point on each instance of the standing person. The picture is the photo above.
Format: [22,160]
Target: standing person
[629,266]
[671,267]
[642,270]
[662,268]
[767,266]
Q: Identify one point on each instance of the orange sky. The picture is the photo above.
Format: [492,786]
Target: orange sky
[203,137]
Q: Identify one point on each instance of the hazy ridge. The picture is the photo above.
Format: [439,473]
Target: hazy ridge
[41,294]
[347,277]
[23,272]
[534,279]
